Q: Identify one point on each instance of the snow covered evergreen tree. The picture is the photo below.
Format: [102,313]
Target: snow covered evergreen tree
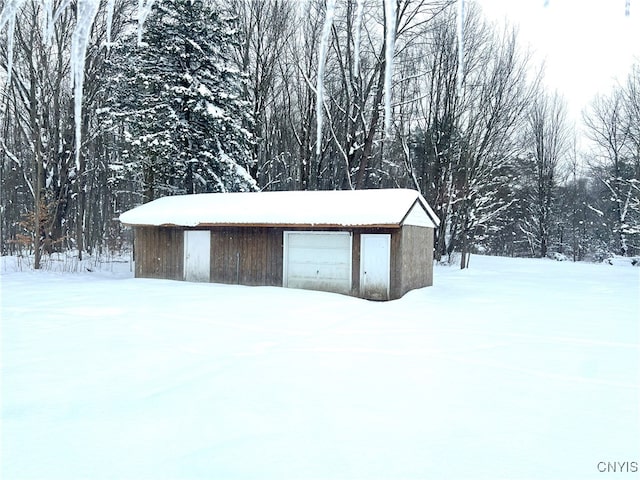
[176,100]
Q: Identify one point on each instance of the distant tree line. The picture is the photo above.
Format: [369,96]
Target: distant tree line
[221,96]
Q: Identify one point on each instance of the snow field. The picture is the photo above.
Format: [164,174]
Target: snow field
[515,368]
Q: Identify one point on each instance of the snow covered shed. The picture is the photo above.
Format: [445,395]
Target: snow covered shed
[375,244]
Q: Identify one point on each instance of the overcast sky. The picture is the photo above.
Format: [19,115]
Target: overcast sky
[586,44]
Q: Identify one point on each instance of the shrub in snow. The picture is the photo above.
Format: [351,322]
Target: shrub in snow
[70,262]
[620,260]
[560,257]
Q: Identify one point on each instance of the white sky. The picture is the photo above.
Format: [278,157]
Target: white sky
[586,44]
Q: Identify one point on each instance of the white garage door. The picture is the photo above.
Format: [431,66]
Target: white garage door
[317,261]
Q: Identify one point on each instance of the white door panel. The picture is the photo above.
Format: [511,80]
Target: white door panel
[375,266]
[197,253]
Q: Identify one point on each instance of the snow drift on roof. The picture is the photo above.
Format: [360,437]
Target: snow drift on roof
[330,207]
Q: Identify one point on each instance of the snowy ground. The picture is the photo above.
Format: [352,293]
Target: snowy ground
[514,369]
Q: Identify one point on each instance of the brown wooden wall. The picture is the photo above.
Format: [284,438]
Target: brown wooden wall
[254,256]
[416,258]
[247,256]
[395,276]
[159,252]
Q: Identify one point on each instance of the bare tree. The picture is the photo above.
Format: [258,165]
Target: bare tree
[266,28]
[39,143]
[546,144]
[51,194]
[614,164]
[434,139]
[492,115]
[470,136]
[299,94]
[632,112]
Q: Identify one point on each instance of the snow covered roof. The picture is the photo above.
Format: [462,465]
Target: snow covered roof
[385,207]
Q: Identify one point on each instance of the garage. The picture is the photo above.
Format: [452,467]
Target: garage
[373,244]
[317,261]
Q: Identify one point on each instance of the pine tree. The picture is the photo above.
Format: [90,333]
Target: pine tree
[176,99]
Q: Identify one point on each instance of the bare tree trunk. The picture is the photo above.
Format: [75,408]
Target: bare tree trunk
[37,150]
[361,176]
[37,234]
[81,199]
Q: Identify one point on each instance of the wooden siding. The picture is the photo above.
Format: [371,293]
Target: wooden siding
[159,252]
[416,258]
[254,256]
[355,263]
[395,274]
[247,256]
